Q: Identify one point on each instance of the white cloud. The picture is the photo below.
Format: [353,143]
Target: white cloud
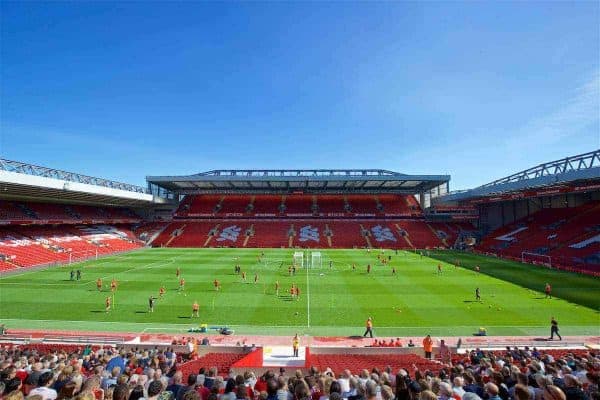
[578,113]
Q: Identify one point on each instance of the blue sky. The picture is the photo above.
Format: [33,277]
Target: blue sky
[477,90]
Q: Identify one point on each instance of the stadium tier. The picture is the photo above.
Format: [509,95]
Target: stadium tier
[168,371]
[298,205]
[325,221]
[26,212]
[323,209]
[305,233]
[568,237]
[27,246]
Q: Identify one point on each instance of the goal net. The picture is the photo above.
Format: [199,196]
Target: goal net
[533,258]
[79,256]
[315,259]
[299,259]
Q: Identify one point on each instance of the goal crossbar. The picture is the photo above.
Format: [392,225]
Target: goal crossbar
[534,258]
[298,259]
[84,255]
[315,259]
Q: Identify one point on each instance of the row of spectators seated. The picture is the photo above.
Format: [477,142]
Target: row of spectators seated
[570,236]
[300,205]
[27,246]
[315,233]
[31,211]
[107,373]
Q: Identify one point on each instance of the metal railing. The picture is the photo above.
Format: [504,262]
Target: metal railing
[582,166]
[574,163]
[300,172]
[36,170]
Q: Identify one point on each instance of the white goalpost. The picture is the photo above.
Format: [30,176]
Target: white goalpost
[299,259]
[315,259]
[84,255]
[534,258]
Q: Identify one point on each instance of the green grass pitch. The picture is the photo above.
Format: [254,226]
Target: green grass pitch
[337,301]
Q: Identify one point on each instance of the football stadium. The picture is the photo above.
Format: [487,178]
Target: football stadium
[194,204]
[310,252]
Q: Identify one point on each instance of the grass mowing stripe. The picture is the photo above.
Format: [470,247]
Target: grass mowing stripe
[577,288]
[333,301]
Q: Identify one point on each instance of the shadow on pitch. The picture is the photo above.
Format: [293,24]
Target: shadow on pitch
[141,312]
[471,301]
[97,311]
[184,317]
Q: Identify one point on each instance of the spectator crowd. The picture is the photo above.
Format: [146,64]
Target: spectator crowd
[114,374]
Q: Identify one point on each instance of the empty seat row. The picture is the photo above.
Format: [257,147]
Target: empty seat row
[32,211]
[298,205]
[26,246]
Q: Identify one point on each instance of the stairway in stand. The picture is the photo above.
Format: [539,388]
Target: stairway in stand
[362,230]
[444,241]
[209,238]
[251,229]
[251,205]
[327,229]
[291,237]
[406,238]
[174,236]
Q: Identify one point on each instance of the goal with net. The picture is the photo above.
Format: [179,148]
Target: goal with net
[534,258]
[299,259]
[84,255]
[315,259]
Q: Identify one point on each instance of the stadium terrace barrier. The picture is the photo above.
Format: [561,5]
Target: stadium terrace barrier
[491,343]
[555,353]
[8,338]
[85,340]
[45,348]
[130,342]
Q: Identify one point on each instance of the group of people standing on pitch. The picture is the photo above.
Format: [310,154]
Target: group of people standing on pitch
[75,275]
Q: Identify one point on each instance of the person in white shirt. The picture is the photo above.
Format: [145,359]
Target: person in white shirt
[353,387]
[44,381]
[457,388]
[344,380]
